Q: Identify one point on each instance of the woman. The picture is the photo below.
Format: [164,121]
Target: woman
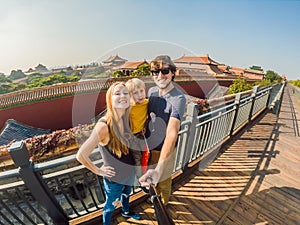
[112,133]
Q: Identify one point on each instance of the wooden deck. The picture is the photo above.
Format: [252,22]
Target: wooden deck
[255,179]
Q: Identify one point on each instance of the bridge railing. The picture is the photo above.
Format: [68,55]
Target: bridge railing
[61,190]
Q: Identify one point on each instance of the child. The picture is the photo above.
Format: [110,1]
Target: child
[137,118]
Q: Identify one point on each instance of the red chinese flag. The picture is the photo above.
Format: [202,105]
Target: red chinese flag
[145,158]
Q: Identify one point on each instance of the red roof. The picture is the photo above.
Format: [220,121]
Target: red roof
[196,59]
[131,65]
[236,70]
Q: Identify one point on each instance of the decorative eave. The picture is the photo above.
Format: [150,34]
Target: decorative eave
[114,58]
[196,60]
[224,69]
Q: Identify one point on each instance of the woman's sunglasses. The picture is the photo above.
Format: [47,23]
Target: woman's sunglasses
[164,71]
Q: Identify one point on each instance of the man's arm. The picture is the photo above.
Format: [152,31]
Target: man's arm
[168,145]
[166,152]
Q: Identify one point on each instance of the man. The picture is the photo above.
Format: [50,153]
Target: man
[165,111]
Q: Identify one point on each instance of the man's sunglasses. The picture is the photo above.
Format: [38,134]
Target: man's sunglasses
[164,71]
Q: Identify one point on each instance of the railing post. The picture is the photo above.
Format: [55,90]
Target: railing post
[278,98]
[236,109]
[269,97]
[34,182]
[192,113]
[253,97]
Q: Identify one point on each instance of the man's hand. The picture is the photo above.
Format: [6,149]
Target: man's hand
[151,176]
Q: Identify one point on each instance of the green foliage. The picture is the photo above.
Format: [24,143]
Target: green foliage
[14,75]
[118,73]
[239,85]
[142,70]
[53,79]
[6,88]
[295,83]
[4,79]
[73,78]
[75,73]
[262,83]
[36,80]
[273,76]
[35,77]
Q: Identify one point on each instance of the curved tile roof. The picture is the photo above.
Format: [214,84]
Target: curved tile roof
[14,130]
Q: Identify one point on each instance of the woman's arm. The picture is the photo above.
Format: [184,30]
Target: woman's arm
[99,135]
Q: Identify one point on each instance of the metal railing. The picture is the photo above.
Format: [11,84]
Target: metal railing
[60,190]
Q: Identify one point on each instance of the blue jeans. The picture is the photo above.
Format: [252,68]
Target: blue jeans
[115,193]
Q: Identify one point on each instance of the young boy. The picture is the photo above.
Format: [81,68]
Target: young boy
[137,118]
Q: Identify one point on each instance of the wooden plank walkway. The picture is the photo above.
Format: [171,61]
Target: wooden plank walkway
[254,179]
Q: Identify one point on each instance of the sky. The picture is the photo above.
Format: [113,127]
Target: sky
[236,33]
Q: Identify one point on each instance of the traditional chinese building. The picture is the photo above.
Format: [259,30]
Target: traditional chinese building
[113,61]
[200,66]
[128,67]
[254,72]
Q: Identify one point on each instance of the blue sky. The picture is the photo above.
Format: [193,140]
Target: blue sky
[74,32]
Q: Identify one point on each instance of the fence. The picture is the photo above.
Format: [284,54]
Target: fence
[60,190]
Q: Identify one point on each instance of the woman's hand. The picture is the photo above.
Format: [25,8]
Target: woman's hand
[107,171]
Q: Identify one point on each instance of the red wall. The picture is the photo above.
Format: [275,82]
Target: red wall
[58,113]
[67,112]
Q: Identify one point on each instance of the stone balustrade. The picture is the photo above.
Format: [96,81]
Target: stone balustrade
[64,89]
[53,91]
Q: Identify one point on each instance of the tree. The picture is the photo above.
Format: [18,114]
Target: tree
[6,88]
[239,85]
[273,76]
[118,73]
[263,83]
[34,77]
[53,79]
[142,70]
[295,83]
[4,79]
